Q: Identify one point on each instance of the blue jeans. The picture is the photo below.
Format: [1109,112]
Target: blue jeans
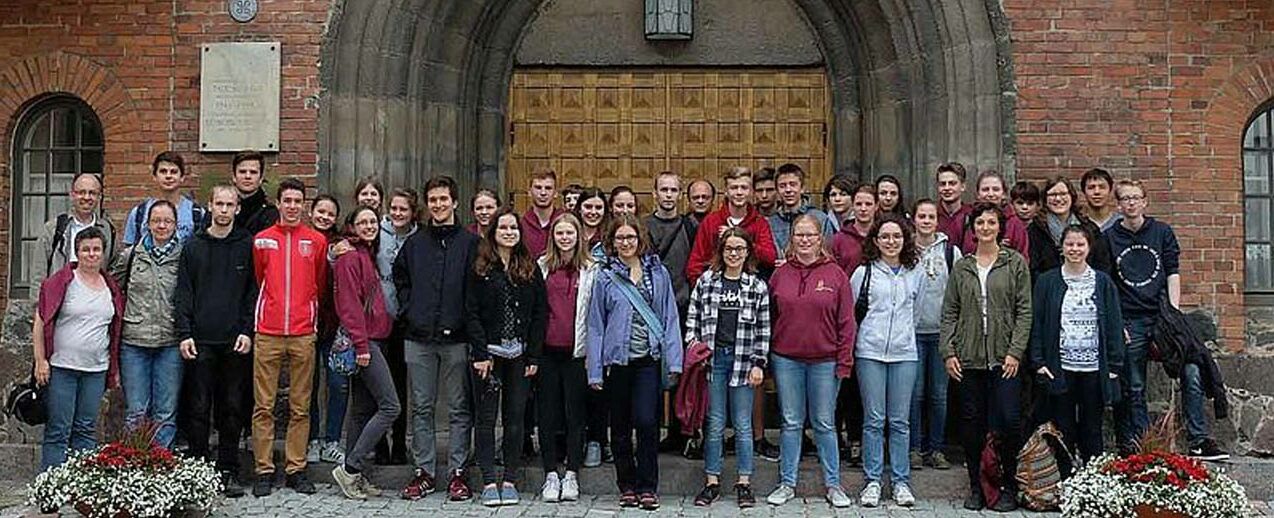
[151,377]
[337,399]
[1132,417]
[74,398]
[886,390]
[807,387]
[930,388]
[740,405]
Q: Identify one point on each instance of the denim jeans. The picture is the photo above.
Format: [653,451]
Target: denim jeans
[740,407]
[886,390]
[74,398]
[151,377]
[337,399]
[929,398]
[1132,417]
[807,389]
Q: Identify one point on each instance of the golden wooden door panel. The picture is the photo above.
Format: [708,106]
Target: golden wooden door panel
[620,127]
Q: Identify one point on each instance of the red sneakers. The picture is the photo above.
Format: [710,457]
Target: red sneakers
[420,485]
[457,489]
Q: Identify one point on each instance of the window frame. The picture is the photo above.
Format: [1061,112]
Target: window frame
[37,113]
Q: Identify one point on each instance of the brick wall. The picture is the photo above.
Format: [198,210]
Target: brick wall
[1159,91]
[136,63]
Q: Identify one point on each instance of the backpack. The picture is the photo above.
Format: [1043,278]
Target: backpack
[1042,464]
[59,239]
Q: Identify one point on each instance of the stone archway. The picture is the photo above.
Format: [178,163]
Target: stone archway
[416,87]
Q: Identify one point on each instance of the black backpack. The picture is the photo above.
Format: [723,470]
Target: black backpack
[27,403]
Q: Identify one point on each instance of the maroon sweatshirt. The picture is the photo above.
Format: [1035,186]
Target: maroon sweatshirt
[360,303]
[847,247]
[814,310]
[562,285]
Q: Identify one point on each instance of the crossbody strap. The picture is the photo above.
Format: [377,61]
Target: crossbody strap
[639,303]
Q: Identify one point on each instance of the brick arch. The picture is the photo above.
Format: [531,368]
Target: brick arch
[26,82]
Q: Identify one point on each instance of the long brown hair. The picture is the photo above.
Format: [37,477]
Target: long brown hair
[718,261]
[577,259]
[520,268]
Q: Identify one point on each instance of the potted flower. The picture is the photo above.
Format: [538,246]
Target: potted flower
[1154,482]
[130,478]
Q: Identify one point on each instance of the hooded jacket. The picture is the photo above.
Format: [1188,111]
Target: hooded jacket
[390,243]
[706,240]
[813,308]
[1008,312]
[610,318]
[1046,254]
[933,266]
[150,286]
[290,263]
[782,219]
[1014,233]
[360,303]
[847,247]
[888,332]
[431,276]
[583,294]
[1046,326]
[256,213]
[1143,262]
[216,289]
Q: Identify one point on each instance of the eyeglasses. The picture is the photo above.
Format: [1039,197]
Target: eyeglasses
[86,192]
[1132,197]
[736,249]
[625,238]
[1059,195]
[805,235]
[889,237]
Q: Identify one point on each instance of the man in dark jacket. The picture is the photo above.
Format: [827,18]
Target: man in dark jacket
[1147,257]
[215,295]
[430,273]
[256,213]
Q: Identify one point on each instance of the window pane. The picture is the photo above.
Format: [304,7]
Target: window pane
[66,124]
[1258,132]
[59,205]
[38,135]
[90,134]
[1256,172]
[1258,267]
[33,216]
[36,167]
[1257,220]
[64,162]
[30,254]
[60,183]
[91,162]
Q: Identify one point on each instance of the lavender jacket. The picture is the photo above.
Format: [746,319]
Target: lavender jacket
[610,318]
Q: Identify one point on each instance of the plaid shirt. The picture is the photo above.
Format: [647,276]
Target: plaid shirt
[752,344]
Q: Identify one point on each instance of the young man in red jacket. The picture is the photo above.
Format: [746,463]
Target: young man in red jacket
[290,262]
[737,211]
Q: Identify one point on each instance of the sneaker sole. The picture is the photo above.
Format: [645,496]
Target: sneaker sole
[1211,458]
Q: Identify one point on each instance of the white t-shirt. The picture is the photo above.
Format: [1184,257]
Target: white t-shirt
[81,338]
[983,273]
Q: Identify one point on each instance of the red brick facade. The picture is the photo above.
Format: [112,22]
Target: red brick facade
[1159,91]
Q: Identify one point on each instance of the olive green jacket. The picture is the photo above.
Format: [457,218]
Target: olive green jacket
[1008,312]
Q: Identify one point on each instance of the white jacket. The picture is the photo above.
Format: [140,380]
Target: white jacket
[582,297]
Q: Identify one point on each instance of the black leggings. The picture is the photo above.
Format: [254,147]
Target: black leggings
[563,383]
[509,400]
[990,402]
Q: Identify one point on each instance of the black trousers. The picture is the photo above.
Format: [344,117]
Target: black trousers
[504,392]
[849,410]
[633,392]
[216,377]
[1078,412]
[597,420]
[398,371]
[563,384]
[990,402]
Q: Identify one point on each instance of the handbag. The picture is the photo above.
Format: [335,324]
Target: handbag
[507,349]
[341,357]
[860,303]
[27,403]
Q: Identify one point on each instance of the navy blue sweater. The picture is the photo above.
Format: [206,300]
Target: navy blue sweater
[1143,261]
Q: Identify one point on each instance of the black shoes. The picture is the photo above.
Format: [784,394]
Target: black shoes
[230,485]
[709,494]
[264,485]
[300,483]
[974,501]
[765,449]
[1209,451]
[1007,503]
[743,493]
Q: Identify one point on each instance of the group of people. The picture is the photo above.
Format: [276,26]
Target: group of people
[1036,302]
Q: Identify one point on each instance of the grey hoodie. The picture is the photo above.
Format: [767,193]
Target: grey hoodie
[390,242]
[933,265]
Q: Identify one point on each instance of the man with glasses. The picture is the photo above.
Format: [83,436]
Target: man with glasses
[1147,259]
[57,240]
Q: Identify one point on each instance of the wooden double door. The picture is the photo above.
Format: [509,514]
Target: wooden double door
[609,127]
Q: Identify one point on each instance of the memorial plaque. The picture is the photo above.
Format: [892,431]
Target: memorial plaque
[239,97]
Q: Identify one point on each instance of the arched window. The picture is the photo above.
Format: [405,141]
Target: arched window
[56,139]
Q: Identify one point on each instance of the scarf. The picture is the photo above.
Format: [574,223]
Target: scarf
[159,252]
[1056,226]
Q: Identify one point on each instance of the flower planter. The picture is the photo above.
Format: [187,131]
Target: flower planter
[86,509]
[1150,511]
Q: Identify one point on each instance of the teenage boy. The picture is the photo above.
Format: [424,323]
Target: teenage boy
[290,264]
[737,211]
[1026,201]
[215,295]
[1147,259]
[57,241]
[952,210]
[765,191]
[792,203]
[535,223]
[256,213]
[993,189]
[429,275]
[1100,205]
[168,170]
[701,193]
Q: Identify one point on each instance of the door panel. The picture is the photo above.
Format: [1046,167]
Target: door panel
[609,127]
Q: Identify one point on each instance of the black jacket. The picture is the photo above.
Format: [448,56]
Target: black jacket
[486,305]
[1177,344]
[431,274]
[256,213]
[1046,327]
[1047,255]
[216,289]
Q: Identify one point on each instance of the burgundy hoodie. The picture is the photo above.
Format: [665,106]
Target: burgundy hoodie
[360,303]
[814,313]
[847,247]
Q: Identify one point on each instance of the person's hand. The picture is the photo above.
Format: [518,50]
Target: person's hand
[363,360]
[954,370]
[1114,376]
[41,372]
[1043,371]
[188,350]
[1010,367]
[243,344]
[595,386]
[531,370]
[342,247]
[779,261]
[1127,336]
[673,378]
[756,376]
[721,230]
[483,368]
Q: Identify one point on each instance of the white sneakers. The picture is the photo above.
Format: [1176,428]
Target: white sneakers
[570,487]
[552,490]
[351,485]
[837,497]
[870,497]
[903,496]
[332,453]
[780,495]
[313,453]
